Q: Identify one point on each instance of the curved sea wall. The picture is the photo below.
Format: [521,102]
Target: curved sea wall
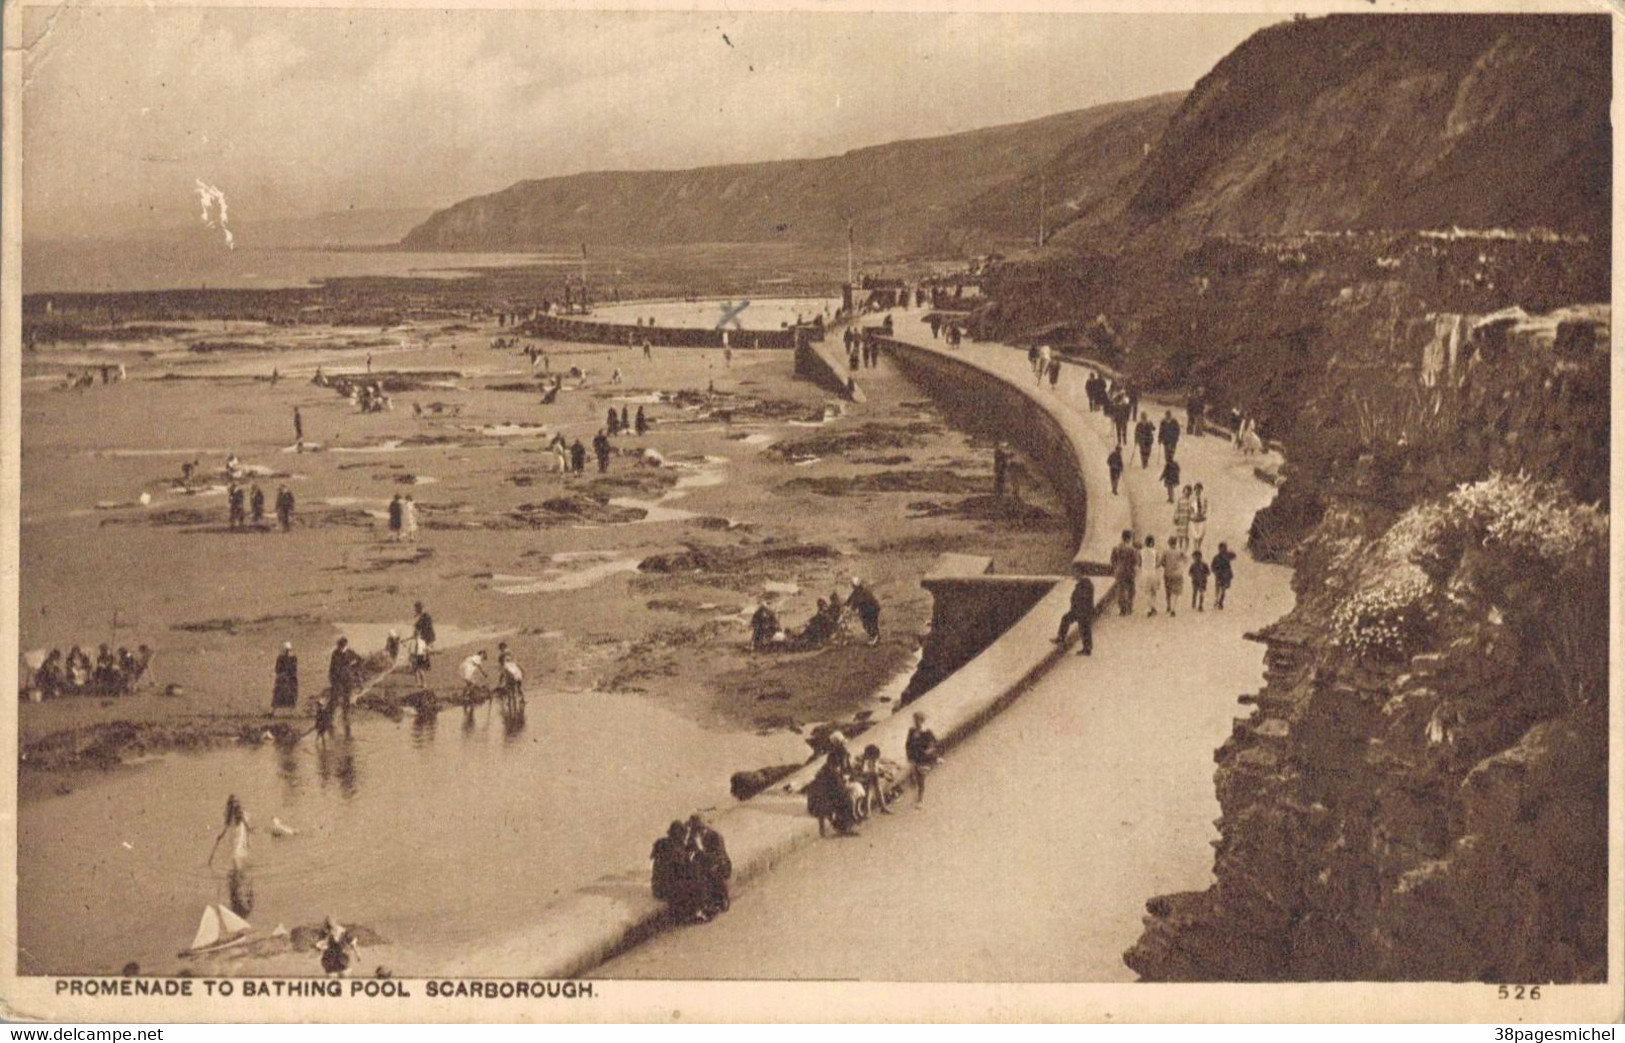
[586,928]
[987,404]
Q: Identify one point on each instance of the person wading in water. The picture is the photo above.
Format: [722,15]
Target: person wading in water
[237,827]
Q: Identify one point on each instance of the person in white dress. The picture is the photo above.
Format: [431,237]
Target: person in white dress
[409,519]
[1150,573]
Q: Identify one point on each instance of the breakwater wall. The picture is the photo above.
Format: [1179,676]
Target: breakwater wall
[586,331]
[583,929]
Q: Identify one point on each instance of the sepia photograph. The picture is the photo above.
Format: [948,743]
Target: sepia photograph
[524,513]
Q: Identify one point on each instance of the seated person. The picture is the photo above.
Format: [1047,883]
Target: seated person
[819,628]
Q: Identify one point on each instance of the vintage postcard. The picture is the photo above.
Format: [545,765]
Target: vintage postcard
[858,512]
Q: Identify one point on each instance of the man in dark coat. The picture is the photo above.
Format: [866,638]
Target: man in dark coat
[395,517]
[341,672]
[1125,562]
[1114,466]
[1170,477]
[285,690]
[863,602]
[1121,414]
[600,449]
[1168,435]
[284,508]
[578,457]
[1081,612]
[1223,574]
[256,505]
[1145,435]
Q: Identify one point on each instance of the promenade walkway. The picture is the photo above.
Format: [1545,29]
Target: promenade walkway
[1043,834]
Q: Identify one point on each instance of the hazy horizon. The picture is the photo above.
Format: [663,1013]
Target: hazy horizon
[293,113]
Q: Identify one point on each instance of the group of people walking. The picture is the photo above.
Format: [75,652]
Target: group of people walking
[862,349]
[1160,573]
[1045,362]
[622,422]
[1119,400]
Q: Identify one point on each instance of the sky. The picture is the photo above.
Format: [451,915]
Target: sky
[301,111]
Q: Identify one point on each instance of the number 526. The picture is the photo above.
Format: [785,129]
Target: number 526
[1518,992]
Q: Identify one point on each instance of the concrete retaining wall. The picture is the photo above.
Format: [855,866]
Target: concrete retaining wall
[968,613]
[602,919]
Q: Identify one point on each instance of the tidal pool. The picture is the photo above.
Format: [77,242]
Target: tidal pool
[764,314]
[433,832]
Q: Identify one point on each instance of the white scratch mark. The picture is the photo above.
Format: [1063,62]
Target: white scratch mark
[212,197]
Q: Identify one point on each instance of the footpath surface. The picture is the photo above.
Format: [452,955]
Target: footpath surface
[1043,834]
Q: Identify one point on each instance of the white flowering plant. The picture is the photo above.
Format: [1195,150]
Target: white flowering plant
[1387,621]
[1509,549]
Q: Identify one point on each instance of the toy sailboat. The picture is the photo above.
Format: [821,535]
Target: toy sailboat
[220,929]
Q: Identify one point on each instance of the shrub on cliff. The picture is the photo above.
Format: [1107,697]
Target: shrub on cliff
[1511,547]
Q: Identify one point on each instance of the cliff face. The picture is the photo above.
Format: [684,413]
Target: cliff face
[1360,122]
[898,196]
[1420,792]
[1288,235]
[1380,237]
[1071,182]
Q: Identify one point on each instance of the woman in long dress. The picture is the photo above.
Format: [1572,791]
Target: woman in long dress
[409,519]
[285,690]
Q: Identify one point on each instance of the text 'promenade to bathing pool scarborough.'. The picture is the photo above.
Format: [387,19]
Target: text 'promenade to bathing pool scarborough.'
[1138,528]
